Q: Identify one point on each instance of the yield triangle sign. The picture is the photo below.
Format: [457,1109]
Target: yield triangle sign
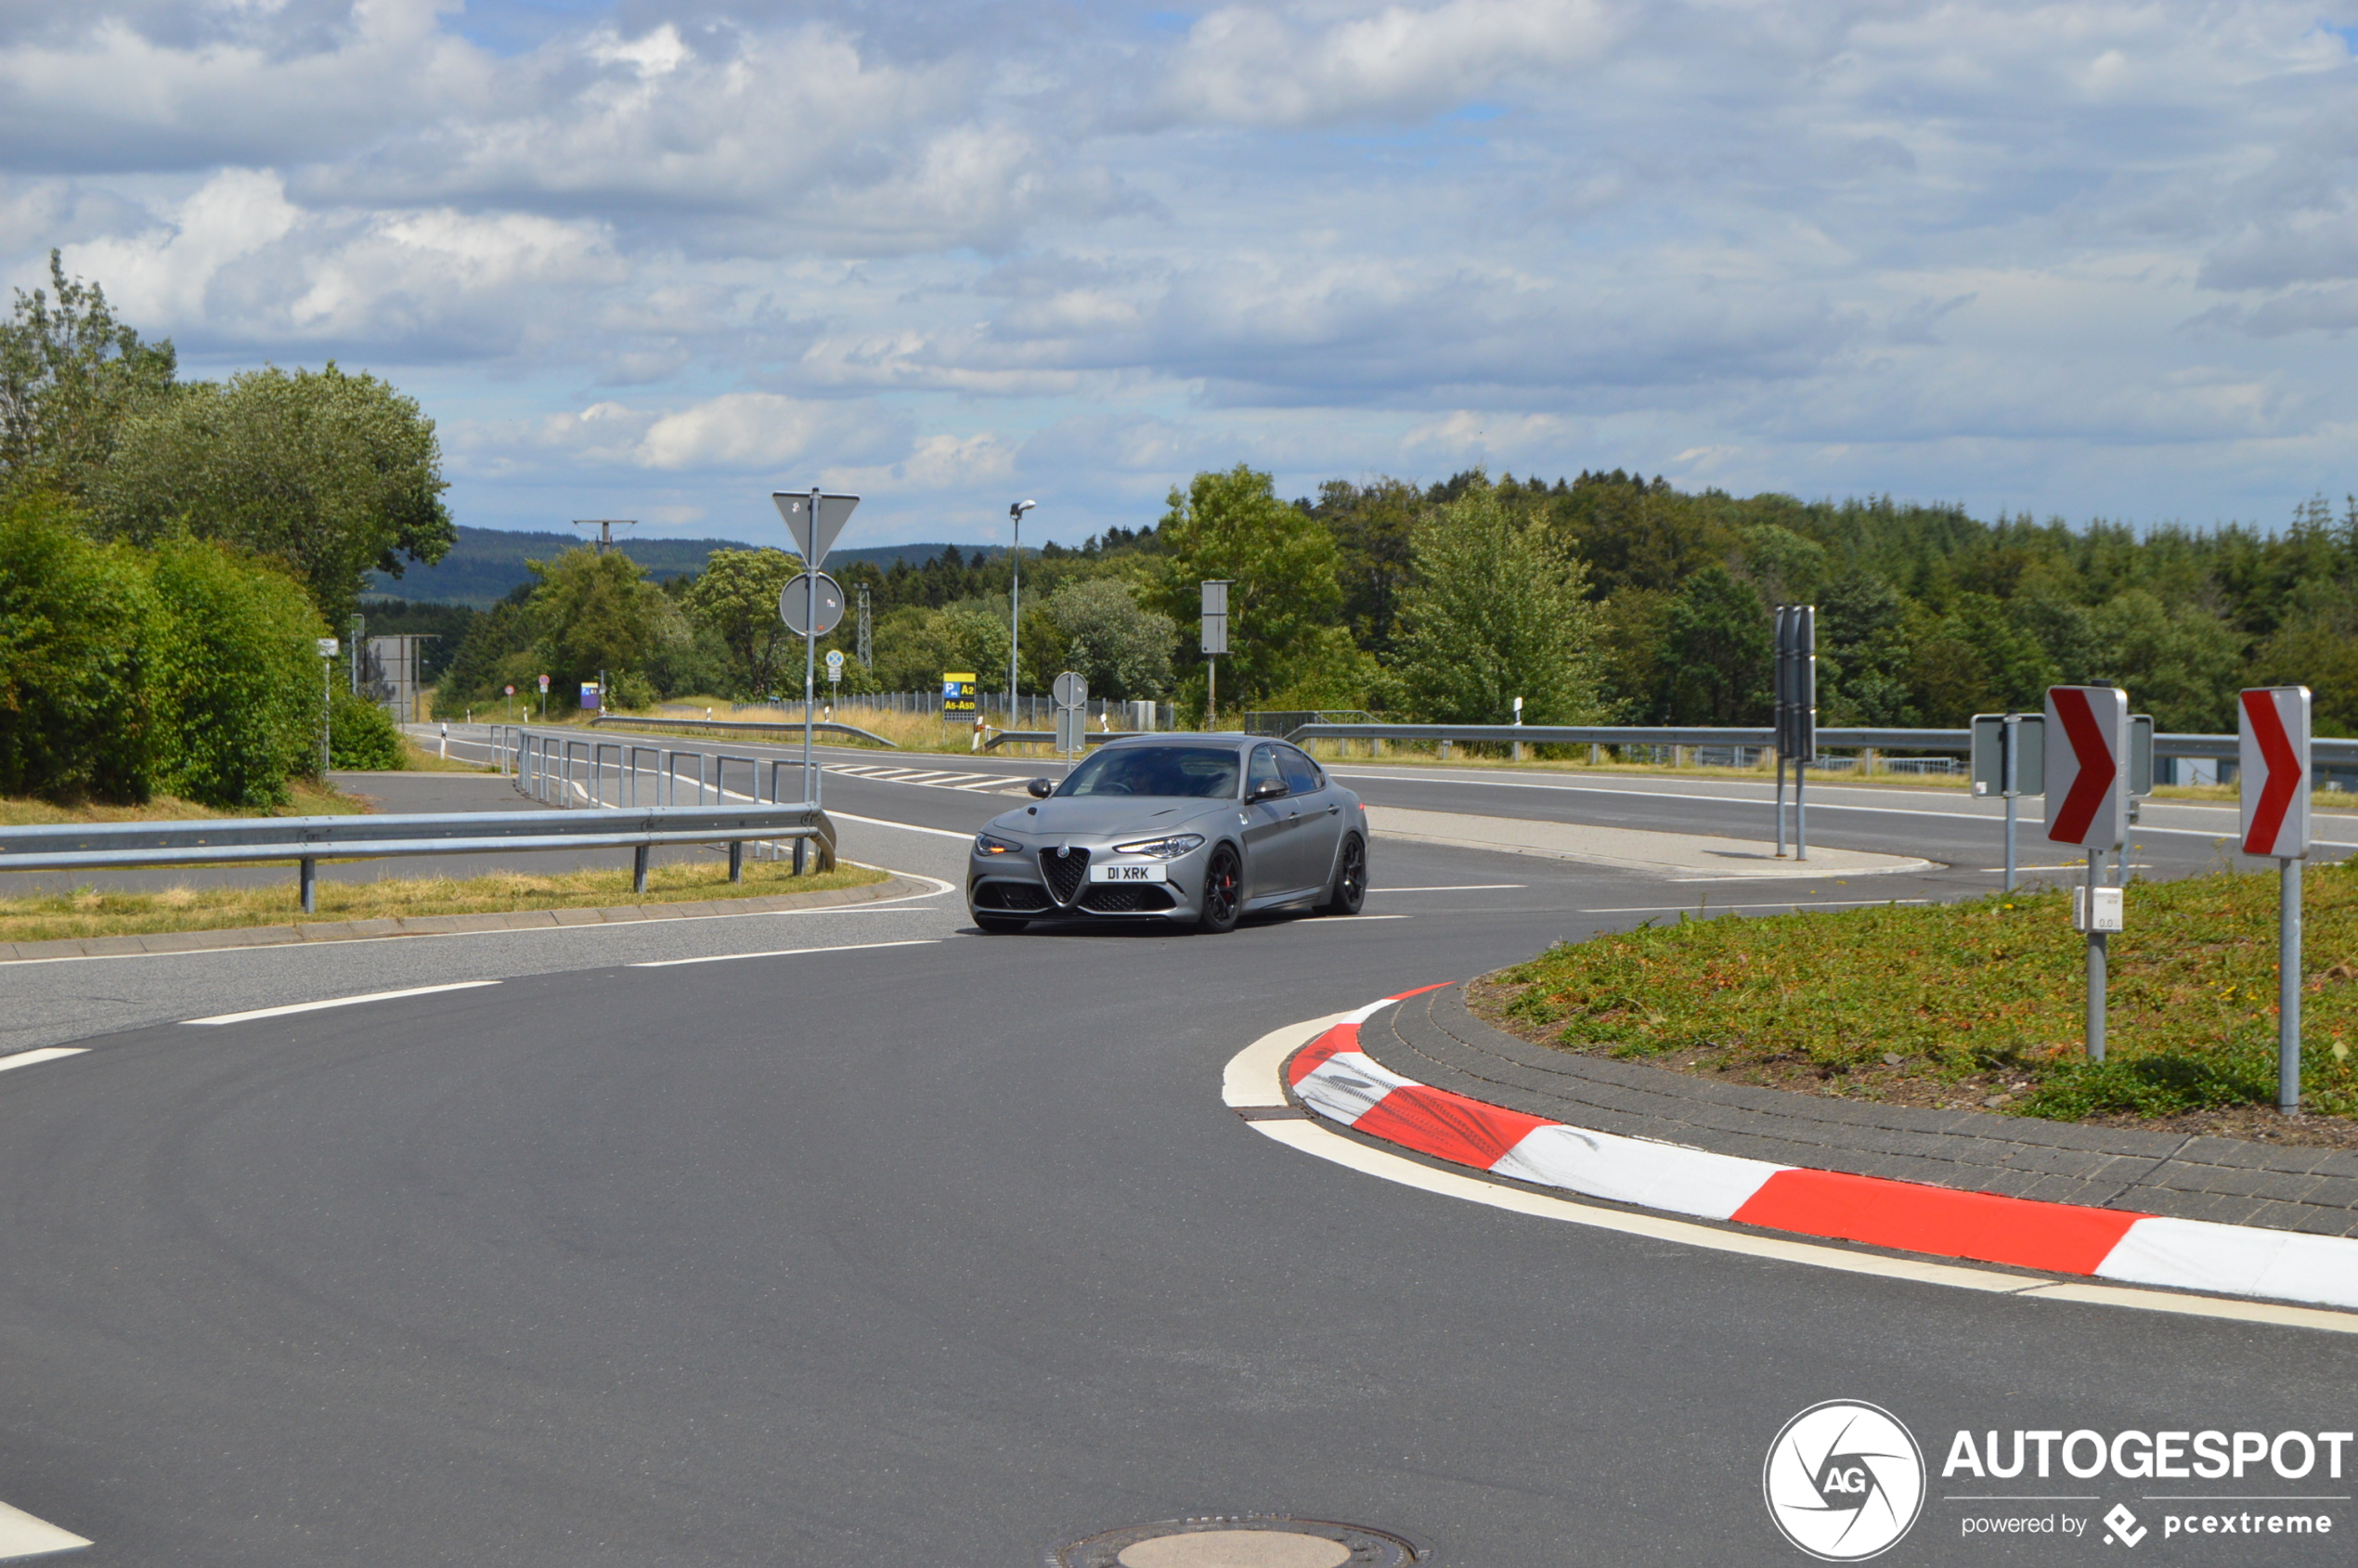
[814,518]
[2273,771]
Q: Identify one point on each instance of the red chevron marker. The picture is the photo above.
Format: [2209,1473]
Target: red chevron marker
[2091,809]
[2274,758]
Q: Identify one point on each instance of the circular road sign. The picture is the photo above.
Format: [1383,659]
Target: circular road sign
[834,663]
[794,605]
[512,691]
[1071,689]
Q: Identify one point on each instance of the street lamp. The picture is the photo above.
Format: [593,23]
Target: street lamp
[1015,605]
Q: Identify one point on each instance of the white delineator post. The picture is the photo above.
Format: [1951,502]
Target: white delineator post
[2273,777]
[2087,805]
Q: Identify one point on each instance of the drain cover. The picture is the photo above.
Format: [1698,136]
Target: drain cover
[1245,1540]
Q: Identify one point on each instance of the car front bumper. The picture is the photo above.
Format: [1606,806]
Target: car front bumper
[1017,884]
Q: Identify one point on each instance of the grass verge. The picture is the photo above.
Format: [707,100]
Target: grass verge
[305,798]
[1978,1004]
[91,912]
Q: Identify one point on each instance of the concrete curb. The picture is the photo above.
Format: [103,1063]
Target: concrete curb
[444,924]
[1332,1077]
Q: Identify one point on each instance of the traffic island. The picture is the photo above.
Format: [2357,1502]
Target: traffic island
[1977,1005]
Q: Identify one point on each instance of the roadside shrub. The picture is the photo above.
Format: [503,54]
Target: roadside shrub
[75,716]
[362,736]
[236,671]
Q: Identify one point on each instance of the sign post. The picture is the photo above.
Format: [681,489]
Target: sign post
[544,699]
[2009,759]
[2087,783]
[958,701]
[2273,773]
[1072,714]
[1215,642]
[814,518]
[1796,693]
[328,649]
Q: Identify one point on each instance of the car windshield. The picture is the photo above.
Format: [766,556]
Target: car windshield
[1201,771]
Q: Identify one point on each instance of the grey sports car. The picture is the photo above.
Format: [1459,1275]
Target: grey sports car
[1191,830]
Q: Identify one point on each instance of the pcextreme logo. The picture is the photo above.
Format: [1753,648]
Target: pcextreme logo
[1844,1481]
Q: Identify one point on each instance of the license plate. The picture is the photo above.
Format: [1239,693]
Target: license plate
[1152,871]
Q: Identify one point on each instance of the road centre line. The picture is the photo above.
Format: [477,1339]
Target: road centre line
[905,827]
[1830,904]
[337,1001]
[1341,925]
[1458,887]
[1253,1079]
[777,953]
[45,1054]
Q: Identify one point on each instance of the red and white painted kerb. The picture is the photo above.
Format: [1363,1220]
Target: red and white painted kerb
[1334,1078]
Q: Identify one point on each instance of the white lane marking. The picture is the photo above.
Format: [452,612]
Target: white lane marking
[905,827]
[1832,903]
[46,1054]
[21,1536]
[778,952]
[1458,887]
[337,1001]
[1338,925]
[1253,1079]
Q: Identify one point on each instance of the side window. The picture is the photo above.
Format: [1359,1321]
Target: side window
[1263,769]
[1301,774]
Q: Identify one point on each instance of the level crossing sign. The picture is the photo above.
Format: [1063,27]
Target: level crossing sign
[2272,753]
[2087,766]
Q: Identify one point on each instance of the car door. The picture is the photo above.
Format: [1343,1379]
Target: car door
[1268,824]
[1317,821]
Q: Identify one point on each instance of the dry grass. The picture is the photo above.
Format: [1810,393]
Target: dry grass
[91,912]
[424,759]
[305,799]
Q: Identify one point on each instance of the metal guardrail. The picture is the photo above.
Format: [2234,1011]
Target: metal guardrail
[2338,753]
[727,726]
[309,840]
[1048,737]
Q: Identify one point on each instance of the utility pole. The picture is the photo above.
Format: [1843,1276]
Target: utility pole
[863,646]
[605,527]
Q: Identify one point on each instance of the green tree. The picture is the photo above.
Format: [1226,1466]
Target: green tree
[1716,653]
[75,718]
[1862,660]
[1286,640]
[2182,664]
[1119,647]
[235,673]
[69,374]
[735,598]
[592,613]
[1496,611]
[334,474]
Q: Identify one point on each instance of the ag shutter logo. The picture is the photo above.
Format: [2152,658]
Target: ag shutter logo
[1844,1481]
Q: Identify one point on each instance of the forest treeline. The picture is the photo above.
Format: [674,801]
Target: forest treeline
[1607,597]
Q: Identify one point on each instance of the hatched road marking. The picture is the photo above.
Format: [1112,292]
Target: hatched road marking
[336,1002]
[21,1537]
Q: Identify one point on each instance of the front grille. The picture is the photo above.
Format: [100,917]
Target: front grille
[1065,873]
[1011,895]
[1125,898]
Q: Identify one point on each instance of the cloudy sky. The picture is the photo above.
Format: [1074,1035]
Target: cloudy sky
[656,259]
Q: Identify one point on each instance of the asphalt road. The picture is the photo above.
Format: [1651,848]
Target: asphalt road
[939,1254]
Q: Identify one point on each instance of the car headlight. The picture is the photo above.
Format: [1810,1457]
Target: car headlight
[1162,848]
[986,845]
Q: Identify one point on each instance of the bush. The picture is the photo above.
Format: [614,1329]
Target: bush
[74,627]
[237,670]
[362,736]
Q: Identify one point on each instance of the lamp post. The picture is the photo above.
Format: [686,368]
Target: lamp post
[1015,604]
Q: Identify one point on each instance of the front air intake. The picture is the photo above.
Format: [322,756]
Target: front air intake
[1065,872]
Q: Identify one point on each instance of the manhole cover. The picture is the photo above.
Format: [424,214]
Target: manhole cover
[1250,1540]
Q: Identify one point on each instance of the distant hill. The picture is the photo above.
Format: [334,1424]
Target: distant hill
[487,563]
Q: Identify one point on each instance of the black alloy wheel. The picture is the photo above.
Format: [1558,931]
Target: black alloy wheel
[1222,892]
[1000,925]
[1351,879]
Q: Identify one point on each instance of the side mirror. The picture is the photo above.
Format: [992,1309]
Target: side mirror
[1039,789]
[1267,789]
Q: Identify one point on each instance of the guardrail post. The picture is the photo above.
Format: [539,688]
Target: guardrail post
[639,868]
[736,860]
[1867,762]
[309,879]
